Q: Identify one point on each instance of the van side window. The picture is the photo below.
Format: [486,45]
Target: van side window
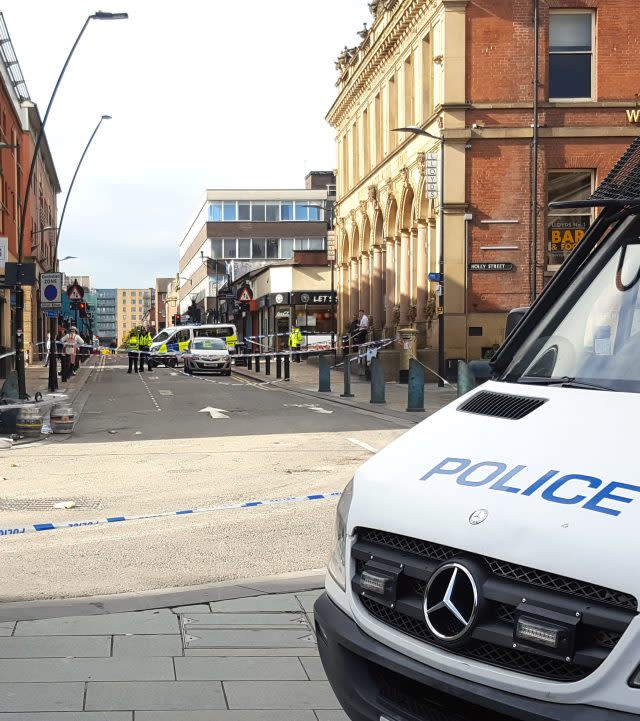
[181,336]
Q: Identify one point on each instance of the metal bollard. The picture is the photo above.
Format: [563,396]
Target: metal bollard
[415,390]
[347,378]
[278,366]
[466,379]
[267,365]
[287,367]
[257,364]
[324,375]
[377,382]
[249,361]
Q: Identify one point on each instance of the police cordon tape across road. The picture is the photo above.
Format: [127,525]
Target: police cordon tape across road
[36,527]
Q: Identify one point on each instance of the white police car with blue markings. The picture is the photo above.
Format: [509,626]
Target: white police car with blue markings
[485,563]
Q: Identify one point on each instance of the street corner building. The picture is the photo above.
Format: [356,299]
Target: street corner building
[449,222]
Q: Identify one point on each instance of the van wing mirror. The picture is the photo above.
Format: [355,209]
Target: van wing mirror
[513,318]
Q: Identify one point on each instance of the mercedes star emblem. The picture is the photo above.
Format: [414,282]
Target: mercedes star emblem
[478,516]
[451,602]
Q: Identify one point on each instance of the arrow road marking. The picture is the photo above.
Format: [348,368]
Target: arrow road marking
[215,413]
[311,407]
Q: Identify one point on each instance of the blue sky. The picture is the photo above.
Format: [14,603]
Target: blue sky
[210,93]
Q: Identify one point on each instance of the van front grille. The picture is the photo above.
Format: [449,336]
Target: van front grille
[503,587]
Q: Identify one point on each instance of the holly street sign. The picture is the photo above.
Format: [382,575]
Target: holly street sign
[491,266]
[51,290]
[4,251]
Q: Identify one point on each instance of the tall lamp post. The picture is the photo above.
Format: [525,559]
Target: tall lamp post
[19,318]
[53,323]
[330,207]
[441,350]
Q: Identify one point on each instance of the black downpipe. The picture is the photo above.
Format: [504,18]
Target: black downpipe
[534,158]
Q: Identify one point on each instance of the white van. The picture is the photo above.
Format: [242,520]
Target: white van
[170,343]
[485,563]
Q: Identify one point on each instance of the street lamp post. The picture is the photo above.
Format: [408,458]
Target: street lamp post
[53,323]
[441,350]
[19,317]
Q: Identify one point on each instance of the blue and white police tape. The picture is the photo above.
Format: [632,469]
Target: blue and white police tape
[36,527]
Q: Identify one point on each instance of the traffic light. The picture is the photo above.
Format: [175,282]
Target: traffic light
[176,319]
[82,307]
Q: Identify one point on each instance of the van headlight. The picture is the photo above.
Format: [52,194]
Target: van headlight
[337,561]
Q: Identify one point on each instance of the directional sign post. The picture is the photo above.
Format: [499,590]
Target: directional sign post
[51,290]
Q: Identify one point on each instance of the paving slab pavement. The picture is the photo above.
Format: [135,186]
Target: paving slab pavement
[244,658]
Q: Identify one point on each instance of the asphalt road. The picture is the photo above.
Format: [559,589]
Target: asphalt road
[162,442]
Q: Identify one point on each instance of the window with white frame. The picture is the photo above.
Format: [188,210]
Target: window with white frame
[571,55]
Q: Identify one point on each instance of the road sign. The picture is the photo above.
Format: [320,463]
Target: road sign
[494,267]
[4,250]
[435,277]
[332,245]
[75,291]
[51,290]
[51,313]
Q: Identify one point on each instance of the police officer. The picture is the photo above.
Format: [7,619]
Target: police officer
[295,341]
[133,349]
[144,343]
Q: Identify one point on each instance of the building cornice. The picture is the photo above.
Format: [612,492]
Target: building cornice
[373,64]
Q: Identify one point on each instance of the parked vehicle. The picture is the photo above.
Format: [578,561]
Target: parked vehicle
[207,355]
[485,563]
[169,345]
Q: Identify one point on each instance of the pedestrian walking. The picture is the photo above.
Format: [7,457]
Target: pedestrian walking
[144,339]
[133,349]
[363,327]
[112,347]
[70,343]
[295,341]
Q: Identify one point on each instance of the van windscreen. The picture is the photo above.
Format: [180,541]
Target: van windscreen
[218,331]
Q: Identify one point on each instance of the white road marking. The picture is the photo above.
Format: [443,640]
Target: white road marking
[215,413]
[165,393]
[155,402]
[362,444]
[309,406]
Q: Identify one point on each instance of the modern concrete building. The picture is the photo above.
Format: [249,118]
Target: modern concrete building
[464,72]
[236,231]
[133,307]
[106,316]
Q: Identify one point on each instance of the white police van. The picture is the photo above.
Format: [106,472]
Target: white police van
[486,563]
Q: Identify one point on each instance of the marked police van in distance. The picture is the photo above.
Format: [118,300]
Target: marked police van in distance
[171,342]
[485,564]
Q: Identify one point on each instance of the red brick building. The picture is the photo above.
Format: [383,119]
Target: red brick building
[589,63]
[464,72]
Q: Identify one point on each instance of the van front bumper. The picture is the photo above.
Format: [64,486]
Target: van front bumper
[374,682]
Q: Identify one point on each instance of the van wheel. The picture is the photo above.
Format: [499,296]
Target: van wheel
[172,363]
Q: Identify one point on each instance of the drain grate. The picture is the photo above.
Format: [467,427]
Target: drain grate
[46,504]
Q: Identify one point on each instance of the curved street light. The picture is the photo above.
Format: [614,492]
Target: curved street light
[53,323]
[19,315]
[416,130]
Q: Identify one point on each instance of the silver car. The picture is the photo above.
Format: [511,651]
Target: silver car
[207,355]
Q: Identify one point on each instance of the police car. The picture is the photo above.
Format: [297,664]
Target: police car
[485,563]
